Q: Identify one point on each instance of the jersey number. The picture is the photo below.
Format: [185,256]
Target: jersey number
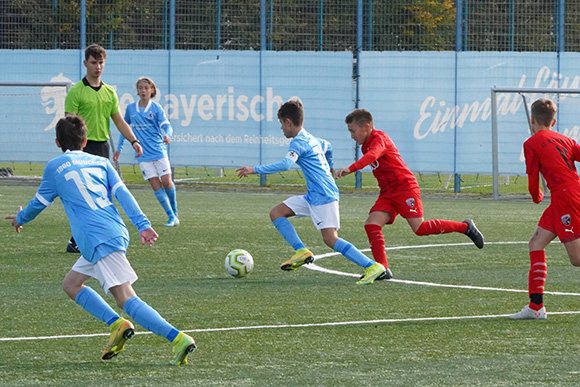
[101,201]
[564,153]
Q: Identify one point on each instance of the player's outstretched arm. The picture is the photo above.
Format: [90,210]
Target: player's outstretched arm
[15,224]
[148,236]
[245,171]
[342,172]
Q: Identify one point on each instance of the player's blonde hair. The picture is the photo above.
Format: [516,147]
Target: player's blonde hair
[544,111]
[150,82]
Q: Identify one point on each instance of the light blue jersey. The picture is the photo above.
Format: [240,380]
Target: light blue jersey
[86,185]
[149,124]
[314,156]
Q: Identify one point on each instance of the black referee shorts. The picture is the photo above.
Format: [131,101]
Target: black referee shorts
[99,148]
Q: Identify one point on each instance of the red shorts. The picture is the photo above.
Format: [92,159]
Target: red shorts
[407,203]
[562,217]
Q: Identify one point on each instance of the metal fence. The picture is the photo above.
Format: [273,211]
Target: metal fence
[294,25]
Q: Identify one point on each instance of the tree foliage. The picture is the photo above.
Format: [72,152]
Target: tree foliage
[497,25]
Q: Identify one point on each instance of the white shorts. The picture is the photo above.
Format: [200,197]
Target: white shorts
[155,168]
[113,270]
[323,216]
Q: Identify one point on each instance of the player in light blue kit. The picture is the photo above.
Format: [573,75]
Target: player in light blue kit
[314,156]
[153,130]
[86,185]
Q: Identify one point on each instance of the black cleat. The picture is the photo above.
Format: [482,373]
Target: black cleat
[473,233]
[72,247]
[387,275]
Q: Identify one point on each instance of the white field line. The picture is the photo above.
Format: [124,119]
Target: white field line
[285,326]
[315,267]
[340,323]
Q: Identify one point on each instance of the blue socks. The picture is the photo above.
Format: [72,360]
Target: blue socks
[149,318]
[172,199]
[164,201]
[142,313]
[93,303]
[347,249]
[288,231]
[352,253]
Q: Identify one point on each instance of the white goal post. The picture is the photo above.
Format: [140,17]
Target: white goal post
[68,85]
[553,93]
[29,110]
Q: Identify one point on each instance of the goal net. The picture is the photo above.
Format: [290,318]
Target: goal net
[29,112]
[510,128]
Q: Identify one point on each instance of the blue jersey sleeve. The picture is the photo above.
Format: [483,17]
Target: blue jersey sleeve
[31,211]
[120,143]
[164,122]
[280,166]
[121,137]
[131,207]
[44,197]
[127,114]
[327,149]
[127,200]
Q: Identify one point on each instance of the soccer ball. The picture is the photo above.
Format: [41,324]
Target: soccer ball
[239,263]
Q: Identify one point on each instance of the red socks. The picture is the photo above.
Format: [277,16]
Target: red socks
[435,226]
[537,278]
[377,243]
[438,226]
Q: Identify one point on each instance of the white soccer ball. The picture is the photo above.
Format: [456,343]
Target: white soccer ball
[239,263]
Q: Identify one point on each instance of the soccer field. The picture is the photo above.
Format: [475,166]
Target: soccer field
[442,320]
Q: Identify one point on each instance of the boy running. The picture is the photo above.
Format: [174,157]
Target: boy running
[553,155]
[399,189]
[151,126]
[86,185]
[314,156]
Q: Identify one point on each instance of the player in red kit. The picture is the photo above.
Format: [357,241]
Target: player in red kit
[399,189]
[553,155]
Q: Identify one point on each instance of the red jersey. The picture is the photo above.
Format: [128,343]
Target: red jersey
[387,165]
[552,154]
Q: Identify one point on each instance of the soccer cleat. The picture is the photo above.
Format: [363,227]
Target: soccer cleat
[183,345]
[529,314]
[473,233]
[121,331]
[301,257]
[172,222]
[371,274]
[387,275]
[72,247]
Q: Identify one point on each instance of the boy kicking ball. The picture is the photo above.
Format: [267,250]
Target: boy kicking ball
[86,185]
[314,156]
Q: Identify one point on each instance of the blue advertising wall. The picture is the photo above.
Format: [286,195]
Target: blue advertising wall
[223,104]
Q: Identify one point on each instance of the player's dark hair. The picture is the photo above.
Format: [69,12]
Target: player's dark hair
[71,131]
[544,111]
[293,110]
[96,52]
[150,82]
[359,117]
